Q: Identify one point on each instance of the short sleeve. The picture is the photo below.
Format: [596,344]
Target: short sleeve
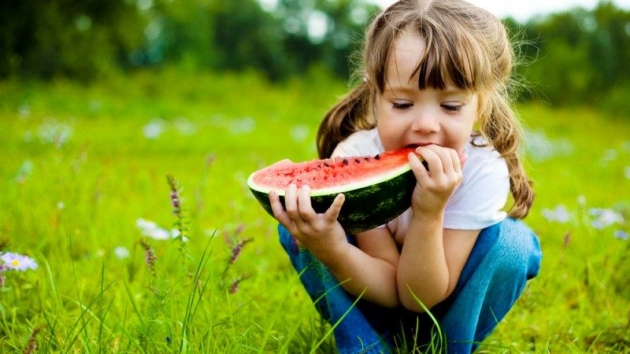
[361,143]
[479,200]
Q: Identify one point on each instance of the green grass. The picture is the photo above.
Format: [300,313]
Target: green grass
[77,172]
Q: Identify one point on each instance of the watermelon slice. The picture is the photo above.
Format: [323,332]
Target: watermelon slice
[377,188]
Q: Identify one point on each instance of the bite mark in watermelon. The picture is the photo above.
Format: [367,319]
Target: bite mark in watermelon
[377,189]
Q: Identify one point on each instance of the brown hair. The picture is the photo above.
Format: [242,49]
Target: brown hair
[464,44]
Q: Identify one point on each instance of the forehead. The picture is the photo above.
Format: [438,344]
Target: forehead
[404,56]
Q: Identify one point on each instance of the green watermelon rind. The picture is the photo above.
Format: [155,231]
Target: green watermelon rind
[366,182]
[367,205]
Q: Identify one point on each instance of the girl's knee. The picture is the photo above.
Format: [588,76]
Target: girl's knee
[517,250]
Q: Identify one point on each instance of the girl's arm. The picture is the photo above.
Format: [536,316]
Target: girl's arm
[368,269]
[372,276]
[432,257]
[431,262]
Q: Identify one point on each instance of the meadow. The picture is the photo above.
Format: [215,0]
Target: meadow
[123,259]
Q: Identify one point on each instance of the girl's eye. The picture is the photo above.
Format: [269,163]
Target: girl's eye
[401,105]
[452,107]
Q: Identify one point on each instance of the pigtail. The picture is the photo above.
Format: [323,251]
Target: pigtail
[503,130]
[352,113]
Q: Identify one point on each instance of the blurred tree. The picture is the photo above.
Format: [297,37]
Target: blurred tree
[73,38]
[283,40]
[572,57]
[215,34]
[324,31]
[609,45]
[249,38]
[580,55]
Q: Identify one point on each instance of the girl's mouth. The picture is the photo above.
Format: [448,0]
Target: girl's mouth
[421,144]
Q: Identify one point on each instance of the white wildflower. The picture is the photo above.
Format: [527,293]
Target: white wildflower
[55,132]
[121,252]
[299,133]
[185,127]
[152,230]
[154,128]
[622,235]
[18,262]
[558,214]
[242,126]
[605,218]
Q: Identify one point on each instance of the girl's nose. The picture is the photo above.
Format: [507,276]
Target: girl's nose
[425,122]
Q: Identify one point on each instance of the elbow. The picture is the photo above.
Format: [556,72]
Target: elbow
[415,304]
[391,304]
[420,295]
[414,301]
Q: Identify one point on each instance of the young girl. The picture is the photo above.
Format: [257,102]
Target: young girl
[436,76]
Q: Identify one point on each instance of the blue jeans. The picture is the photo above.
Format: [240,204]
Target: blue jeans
[504,257]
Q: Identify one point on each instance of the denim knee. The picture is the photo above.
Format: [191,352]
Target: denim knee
[517,251]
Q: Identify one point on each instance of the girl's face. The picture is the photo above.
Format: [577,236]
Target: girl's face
[406,115]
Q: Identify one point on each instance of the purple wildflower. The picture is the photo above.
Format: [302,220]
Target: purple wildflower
[3,279]
[177,204]
[567,239]
[234,286]
[31,345]
[176,199]
[149,256]
[236,250]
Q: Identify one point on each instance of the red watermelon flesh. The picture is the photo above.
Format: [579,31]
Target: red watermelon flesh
[333,174]
[376,188]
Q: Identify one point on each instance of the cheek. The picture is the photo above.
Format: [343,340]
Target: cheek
[388,135]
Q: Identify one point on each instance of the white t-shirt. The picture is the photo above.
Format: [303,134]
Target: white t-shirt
[475,204]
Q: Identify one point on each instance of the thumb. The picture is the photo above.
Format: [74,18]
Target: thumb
[333,212]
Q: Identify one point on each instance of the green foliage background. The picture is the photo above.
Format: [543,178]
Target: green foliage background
[81,164]
[99,101]
[574,57]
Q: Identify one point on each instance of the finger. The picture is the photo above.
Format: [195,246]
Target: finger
[455,161]
[333,212]
[304,203]
[276,205]
[463,157]
[278,211]
[446,158]
[290,202]
[430,155]
[418,166]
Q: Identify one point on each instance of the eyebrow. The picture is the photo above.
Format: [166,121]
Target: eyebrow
[450,89]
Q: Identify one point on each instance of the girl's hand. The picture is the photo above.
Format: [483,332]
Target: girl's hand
[435,185]
[317,232]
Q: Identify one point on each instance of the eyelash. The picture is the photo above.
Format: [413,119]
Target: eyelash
[448,108]
[401,106]
[452,108]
